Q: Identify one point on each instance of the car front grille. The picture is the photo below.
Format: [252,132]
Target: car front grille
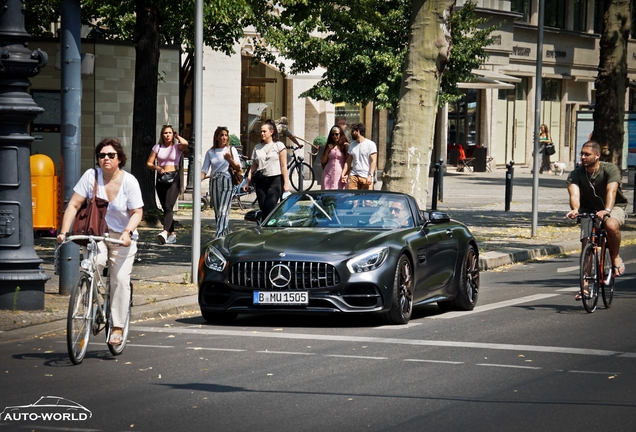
[304,275]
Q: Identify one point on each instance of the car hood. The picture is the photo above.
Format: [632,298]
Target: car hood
[303,242]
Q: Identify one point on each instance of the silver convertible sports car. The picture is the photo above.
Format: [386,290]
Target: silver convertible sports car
[341,252]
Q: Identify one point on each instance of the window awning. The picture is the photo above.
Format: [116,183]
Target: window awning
[495,75]
[481,83]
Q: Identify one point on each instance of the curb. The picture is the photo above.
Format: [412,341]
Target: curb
[492,260]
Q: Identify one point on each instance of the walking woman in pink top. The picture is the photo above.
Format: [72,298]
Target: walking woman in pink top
[333,159]
[167,155]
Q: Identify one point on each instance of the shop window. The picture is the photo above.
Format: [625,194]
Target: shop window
[580,15]
[551,90]
[521,6]
[554,14]
[462,120]
[261,98]
[348,114]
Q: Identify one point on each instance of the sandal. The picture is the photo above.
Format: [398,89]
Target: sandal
[579,297]
[116,338]
[619,270]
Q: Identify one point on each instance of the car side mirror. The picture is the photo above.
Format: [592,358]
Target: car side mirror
[436,217]
[254,216]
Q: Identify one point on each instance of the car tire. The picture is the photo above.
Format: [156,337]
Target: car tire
[219,317]
[468,289]
[402,296]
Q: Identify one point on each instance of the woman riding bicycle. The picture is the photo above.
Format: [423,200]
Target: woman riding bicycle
[125,210]
[595,187]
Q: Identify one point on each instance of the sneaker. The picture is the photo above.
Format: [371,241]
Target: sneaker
[172,239]
[162,237]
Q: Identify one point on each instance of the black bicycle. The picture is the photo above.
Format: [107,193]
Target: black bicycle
[596,266]
[301,174]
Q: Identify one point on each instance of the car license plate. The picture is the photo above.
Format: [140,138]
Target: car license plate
[281,297]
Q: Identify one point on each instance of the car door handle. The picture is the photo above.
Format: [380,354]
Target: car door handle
[449,232]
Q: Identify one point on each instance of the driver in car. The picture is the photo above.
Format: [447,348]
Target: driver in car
[392,214]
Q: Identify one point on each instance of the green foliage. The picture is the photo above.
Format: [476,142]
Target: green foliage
[320,140]
[115,20]
[362,45]
[469,37]
[235,141]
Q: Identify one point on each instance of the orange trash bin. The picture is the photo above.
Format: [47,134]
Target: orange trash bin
[44,193]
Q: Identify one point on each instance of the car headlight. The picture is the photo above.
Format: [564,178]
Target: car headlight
[214,259]
[368,261]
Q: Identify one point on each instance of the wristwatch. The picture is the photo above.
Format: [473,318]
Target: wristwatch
[609,210]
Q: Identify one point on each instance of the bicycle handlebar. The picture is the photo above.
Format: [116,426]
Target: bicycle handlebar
[92,238]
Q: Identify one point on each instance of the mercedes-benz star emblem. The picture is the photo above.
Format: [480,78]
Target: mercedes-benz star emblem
[280,275]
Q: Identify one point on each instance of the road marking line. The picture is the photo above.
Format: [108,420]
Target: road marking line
[573,289]
[286,352]
[147,346]
[509,366]
[398,327]
[594,372]
[215,349]
[356,357]
[387,340]
[568,269]
[434,361]
[628,355]
[493,306]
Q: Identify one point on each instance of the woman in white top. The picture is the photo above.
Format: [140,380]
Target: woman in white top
[218,160]
[269,169]
[125,210]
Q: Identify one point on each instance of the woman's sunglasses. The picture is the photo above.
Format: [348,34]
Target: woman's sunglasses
[110,155]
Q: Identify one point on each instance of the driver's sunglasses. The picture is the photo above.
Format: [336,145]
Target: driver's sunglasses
[110,155]
[396,209]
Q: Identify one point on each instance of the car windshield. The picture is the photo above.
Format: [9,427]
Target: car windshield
[343,210]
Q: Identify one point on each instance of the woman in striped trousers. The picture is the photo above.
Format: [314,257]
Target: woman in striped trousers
[217,161]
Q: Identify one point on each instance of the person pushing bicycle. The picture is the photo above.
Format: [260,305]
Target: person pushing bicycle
[595,187]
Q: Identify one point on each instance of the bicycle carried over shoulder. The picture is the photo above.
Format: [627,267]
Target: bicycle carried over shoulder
[596,266]
[300,171]
[89,308]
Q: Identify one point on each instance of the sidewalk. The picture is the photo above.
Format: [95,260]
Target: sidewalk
[161,279]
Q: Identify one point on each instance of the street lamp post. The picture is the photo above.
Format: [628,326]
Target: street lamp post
[21,278]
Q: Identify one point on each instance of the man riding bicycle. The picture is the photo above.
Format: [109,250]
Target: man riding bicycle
[595,187]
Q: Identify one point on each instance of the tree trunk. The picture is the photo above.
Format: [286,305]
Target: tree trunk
[611,81]
[145,105]
[428,52]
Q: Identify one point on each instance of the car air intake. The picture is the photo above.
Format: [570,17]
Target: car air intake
[304,275]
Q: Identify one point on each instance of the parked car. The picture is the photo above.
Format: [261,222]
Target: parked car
[341,252]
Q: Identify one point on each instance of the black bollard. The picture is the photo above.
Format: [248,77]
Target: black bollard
[510,171]
[436,184]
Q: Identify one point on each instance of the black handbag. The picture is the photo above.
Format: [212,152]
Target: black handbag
[549,149]
[167,177]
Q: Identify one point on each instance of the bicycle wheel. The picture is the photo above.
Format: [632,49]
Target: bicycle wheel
[118,349]
[247,199]
[589,278]
[79,320]
[307,176]
[607,287]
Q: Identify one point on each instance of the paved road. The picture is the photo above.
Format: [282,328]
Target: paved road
[528,358]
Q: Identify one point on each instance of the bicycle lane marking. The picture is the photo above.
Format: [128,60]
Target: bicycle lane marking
[494,306]
[390,340]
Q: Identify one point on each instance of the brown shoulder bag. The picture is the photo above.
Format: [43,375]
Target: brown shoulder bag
[91,217]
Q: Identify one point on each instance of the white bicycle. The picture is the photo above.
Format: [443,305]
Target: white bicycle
[89,303]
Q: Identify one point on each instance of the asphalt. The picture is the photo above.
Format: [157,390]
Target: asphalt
[162,276]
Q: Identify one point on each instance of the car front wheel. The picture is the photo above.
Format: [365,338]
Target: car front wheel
[402,297]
